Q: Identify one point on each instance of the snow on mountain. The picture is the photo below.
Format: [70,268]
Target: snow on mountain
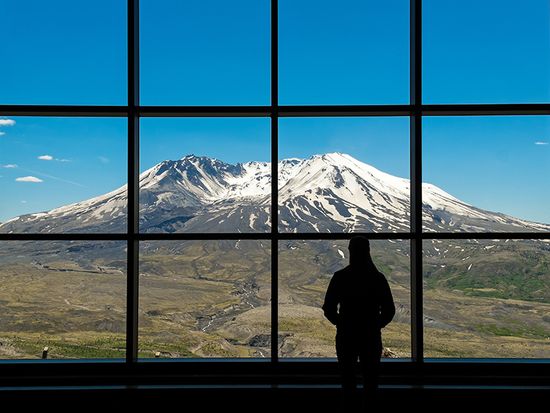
[335,192]
[332,192]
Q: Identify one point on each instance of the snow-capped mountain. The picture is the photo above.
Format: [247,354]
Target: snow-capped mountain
[332,192]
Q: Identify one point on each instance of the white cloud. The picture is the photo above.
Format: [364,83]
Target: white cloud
[23,202]
[28,179]
[103,159]
[52,177]
[541,143]
[2,133]
[9,165]
[51,158]
[7,122]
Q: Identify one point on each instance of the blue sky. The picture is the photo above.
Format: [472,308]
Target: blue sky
[382,142]
[217,53]
[486,51]
[205,52]
[49,162]
[228,139]
[63,52]
[499,163]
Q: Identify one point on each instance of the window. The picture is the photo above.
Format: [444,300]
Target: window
[355,52]
[305,268]
[68,296]
[198,191]
[486,298]
[486,173]
[211,52]
[64,53]
[205,298]
[205,175]
[64,175]
[489,52]
[344,175]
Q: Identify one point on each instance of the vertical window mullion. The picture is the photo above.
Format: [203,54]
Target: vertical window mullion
[417,335]
[274,113]
[132,293]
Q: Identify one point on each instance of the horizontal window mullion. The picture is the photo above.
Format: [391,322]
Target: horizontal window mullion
[204,111]
[203,236]
[341,110]
[63,237]
[344,235]
[73,111]
[283,111]
[267,236]
[486,109]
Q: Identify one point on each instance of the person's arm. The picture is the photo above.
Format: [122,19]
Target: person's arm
[387,306]
[330,307]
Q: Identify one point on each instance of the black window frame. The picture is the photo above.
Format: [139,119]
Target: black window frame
[415,111]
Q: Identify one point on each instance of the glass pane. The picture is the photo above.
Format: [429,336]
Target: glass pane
[344,175]
[205,299]
[305,269]
[487,298]
[63,175]
[205,175]
[68,296]
[210,52]
[486,174]
[347,52]
[62,52]
[490,51]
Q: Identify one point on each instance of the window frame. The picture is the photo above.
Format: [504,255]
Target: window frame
[415,110]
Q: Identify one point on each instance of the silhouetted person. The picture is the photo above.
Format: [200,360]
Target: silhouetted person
[359,303]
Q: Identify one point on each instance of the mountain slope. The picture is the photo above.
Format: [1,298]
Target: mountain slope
[327,193]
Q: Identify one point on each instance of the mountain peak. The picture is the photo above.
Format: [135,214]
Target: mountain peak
[325,192]
[330,156]
[192,158]
[334,158]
